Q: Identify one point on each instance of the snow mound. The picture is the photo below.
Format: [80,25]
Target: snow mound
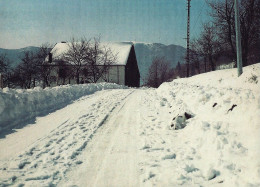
[222,139]
[250,79]
[17,104]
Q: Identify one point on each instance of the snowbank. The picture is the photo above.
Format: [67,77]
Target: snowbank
[221,144]
[250,79]
[17,104]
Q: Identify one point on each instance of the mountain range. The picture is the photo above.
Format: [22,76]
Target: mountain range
[14,55]
[145,52]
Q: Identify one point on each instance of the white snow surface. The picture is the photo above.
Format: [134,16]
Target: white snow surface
[119,49]
[17,104]
[124,137]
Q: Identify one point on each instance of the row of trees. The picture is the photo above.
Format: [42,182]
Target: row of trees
[159,72]
[216,43]
[28,72]
[85,58]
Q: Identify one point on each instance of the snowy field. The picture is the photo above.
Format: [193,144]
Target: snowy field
[142,137]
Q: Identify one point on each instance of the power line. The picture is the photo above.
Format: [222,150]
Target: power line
[196,21]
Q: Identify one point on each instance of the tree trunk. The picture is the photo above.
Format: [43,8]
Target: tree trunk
[77,79]
[245,53]
[230,38]
[212,63]
[205,64]
[33,82]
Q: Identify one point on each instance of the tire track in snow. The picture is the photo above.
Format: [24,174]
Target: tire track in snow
[48,160]
[111,156]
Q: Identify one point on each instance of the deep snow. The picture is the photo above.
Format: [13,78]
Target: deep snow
[17,104]
[125,137]
[222,141]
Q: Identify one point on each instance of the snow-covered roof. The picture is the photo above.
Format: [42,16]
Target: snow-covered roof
[120,49]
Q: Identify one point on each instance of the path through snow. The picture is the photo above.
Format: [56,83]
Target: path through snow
[44,159]
[124,138]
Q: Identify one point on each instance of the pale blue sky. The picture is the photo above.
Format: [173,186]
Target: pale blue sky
[33,22]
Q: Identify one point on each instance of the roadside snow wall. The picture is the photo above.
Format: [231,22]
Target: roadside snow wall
[18,105]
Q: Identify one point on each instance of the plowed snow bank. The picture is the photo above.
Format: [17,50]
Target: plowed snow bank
[17,104]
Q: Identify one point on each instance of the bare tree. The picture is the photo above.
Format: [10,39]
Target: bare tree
[108,58]
[77,55]
[89,58]
[93,59]
[99,61]
[208,45]
[22,75]
[43,69]
[31,71]
[26,71]
[158,73]
[17,79]
[5,69]
[195,57]
[4,65]
[223,16]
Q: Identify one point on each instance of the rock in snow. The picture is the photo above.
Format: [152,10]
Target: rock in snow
[180,121]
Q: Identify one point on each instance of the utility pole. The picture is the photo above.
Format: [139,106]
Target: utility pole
[188,40]
[238,39]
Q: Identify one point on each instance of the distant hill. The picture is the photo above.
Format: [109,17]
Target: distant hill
[144,53]
[14,54]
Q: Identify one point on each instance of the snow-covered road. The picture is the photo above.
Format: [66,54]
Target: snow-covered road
[99,140]
[117,154]
[111,158]
[124,137]
[43,152]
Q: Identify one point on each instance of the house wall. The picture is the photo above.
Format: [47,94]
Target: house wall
[53,76]
[116,74]
[56,80]
[132,74]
